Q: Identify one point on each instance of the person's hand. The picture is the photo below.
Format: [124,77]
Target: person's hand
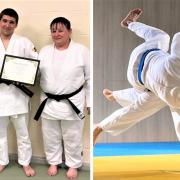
[108,94]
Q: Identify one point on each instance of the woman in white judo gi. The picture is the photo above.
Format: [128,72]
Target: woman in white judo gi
[155,77]
[14,102]
[64,71]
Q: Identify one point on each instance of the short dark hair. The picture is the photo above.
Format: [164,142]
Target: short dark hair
[61,20]
[10,12]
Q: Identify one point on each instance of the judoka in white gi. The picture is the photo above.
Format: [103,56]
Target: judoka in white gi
[155,81]
[64,68]
[14,103]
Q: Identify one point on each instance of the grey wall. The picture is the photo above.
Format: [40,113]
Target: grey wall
[112,46]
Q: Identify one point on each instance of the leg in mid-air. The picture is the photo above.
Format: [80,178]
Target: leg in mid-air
[122,119]
[123,97]
[108,94]
[132,16]
[148,33]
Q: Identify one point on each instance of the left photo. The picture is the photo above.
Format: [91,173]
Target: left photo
[45,89]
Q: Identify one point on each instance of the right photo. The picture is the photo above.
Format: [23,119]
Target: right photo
[136,89]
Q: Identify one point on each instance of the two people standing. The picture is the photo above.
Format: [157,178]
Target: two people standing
[64,70]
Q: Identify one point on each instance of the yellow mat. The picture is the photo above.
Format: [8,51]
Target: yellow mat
[151,167]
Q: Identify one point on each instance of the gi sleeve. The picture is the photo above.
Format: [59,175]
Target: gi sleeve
[30,50]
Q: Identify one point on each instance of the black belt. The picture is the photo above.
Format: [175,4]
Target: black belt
[19,86]
[59,98]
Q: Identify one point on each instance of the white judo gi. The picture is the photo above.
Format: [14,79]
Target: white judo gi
[160,75]
[63,72]
[14,104]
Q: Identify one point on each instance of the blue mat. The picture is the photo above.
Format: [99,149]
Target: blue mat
[131,149]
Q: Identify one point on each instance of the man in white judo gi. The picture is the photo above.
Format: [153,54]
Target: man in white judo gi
[155,77]
[65,80]
[14,102]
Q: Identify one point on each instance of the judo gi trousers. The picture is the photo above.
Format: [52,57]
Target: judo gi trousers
[139,104]
[71,132]
[20,123]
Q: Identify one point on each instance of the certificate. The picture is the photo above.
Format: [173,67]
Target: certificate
[19,69]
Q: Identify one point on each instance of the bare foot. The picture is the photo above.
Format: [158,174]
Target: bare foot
[108,94]
[52,170]
[72,173]
[96,133]
[29,171]
[2,168]
[132,16]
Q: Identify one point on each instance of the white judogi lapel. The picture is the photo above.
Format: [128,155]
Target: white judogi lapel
[72,74]
[13,101]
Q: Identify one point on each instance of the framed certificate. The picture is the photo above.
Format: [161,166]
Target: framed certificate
[19,69]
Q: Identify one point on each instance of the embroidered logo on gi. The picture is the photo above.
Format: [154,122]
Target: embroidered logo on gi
[34,49]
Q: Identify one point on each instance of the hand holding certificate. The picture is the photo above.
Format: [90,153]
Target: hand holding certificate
[19,69]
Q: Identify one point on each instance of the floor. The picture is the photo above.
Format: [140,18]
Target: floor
[14,172]
[137,161]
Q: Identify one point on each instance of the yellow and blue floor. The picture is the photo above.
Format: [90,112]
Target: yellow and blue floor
[137,161]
